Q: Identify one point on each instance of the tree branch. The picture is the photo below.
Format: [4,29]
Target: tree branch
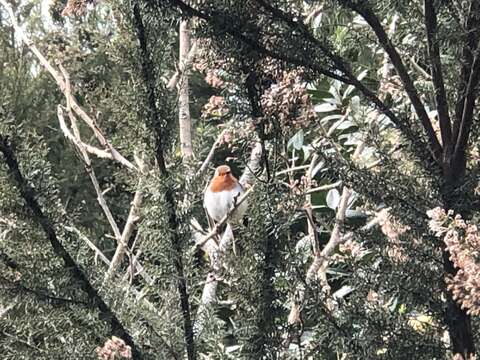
[472,30]
[16,287]
[88,168]
[133,217]
[62,85]
[30,197]
[437,76]
[468,107]
[320,260]
[368,15]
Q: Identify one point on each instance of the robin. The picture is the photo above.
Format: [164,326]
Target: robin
[222,194]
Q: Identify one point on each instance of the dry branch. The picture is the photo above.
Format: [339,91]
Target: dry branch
[209,157]
[215,252]
[320,261]
[122,239]
[183,66]
[59,78]
[91,174]
[133,217]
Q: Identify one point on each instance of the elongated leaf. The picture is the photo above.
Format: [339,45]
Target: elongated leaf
[296,141]
[325,107]
[333,199]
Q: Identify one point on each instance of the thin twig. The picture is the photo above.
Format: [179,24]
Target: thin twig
[183,67]
[133,217]
[324,187]
[209,157]
[93,178]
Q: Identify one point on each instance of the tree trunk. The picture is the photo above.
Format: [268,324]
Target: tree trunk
[456,318]
[185,121]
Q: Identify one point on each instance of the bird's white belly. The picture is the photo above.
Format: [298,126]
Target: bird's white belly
[219,203]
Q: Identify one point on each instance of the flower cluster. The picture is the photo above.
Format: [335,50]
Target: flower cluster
[76,7]
[392,229]
[215,107]
[460,357]
[288,100]
[114,348]
[210,66]
[462,241]
[352,249]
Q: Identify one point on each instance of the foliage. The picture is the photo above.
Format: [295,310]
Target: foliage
[313,84]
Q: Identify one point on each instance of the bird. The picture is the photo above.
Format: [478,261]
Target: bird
[222,194]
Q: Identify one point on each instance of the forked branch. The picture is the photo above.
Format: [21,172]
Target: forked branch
[59,79]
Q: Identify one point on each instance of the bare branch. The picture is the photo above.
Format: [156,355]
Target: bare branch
[184,66]
[468,107]
[90,244]
[62,85]
[253,165]
[324,187]
[335,238]
[132,220]
[209,157]
[93,178]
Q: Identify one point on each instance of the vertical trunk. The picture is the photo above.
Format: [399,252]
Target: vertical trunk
[457,320]
[185,122]
[147,71]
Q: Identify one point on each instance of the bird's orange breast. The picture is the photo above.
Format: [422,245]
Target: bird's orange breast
[223,183]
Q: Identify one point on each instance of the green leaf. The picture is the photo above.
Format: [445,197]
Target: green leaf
[306,152]
[355,104]
[296,141]
[333,199]
[355,214]
[325,107]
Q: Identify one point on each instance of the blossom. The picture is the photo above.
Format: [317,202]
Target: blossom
[114,348]
[462,241]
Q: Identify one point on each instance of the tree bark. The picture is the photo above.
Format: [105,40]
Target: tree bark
[456,318]
[184,118]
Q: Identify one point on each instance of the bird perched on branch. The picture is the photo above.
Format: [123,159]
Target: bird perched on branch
[222,195]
